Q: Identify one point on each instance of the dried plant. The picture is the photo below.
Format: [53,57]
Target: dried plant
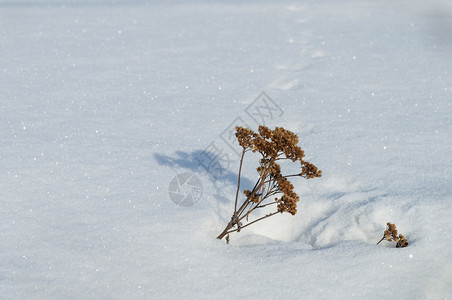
[390,235]
[272,187]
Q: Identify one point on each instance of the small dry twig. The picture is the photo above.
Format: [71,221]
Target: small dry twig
[390,235]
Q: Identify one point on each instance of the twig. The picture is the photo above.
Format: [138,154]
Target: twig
[238,184]
[267,204]
[261,218]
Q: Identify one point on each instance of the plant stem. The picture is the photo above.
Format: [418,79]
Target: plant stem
[225,231]
[256,188]
[299,174]
[286,176]
[238,184]
[267,204]
[237,213]
[381,240]
[264,217]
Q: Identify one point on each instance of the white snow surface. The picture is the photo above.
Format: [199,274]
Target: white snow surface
[103,102]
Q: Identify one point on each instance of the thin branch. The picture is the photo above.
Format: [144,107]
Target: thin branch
[251,209]
[264,217]
[238,184]
[267,204]
[275,192]
[293,175]
[256,188]
[269,188]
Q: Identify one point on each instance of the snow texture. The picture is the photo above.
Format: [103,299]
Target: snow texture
[104,102]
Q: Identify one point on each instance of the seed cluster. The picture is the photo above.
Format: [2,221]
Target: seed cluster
[276,144]
[289,199]
[390,235]
[269,166]
[253,197]
[270,142]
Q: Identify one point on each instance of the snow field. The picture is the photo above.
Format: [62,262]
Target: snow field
[104,102]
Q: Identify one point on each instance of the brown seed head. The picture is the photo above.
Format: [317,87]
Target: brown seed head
[276,144]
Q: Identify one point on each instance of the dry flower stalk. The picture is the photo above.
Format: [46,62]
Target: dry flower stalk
[272,187]
[390,235]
